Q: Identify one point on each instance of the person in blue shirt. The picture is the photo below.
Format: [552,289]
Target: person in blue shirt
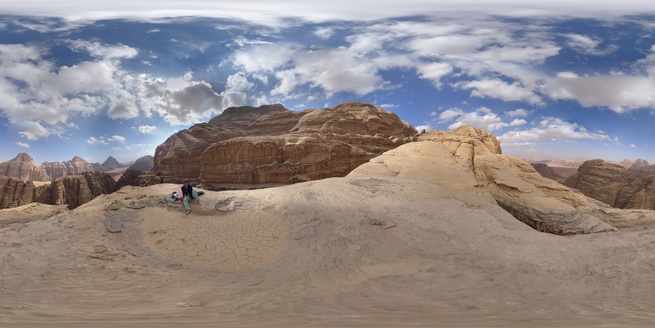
[188,193]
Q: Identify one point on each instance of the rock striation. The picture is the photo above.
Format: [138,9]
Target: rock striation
[72,190]
[129,178]
[273,145]
[469,163]
[143,164]
[61,169]
[23,168]
[615,185]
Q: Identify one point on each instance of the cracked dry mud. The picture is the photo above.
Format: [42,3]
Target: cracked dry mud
[228,242]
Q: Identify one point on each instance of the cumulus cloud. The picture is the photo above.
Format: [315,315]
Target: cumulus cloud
[551,128]
[118,138]
[517,112]
[148,129]
[480,119]
[324,32]
[517,122]
[586,44]
[22,144]
[499,89]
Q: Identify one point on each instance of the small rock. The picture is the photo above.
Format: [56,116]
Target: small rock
[113,223]
[115,205]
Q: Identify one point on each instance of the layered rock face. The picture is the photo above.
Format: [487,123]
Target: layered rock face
[73,190]
[547,172]
[273,145]
[129,178]
[143,164]
[615,185]
[61,169]
[109,164]
[469,163]
[23,168]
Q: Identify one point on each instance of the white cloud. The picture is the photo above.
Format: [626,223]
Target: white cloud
[22,144]
[489,121]
[434,72]
[449,114]
[94,141]
[148,129]
[517,112]
[517,122]
[633,146]
[551,128]
[103,51]
[324,32]
[118,138]
[498,89]
[616,92]
[586,44]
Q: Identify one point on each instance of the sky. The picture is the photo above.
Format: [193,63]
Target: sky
[551,79]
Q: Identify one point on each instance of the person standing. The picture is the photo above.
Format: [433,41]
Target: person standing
[188,193]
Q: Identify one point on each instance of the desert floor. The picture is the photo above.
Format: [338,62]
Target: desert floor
[352,251]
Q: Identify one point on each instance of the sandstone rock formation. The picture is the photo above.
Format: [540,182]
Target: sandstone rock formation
[547,172]
[273,145]
[61,169]
[637,163]
[468,162]
[129,178]
[23,168]
[143,164]
[72,190]
[615,185]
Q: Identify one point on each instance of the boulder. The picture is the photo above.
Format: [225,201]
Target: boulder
[614,185]
[273,145]
[23,168]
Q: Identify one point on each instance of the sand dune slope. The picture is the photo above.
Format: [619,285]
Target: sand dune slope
[370,249]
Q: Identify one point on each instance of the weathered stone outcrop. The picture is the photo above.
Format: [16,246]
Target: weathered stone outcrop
[468,163]
[72,190]
[547,172]
[273,145]
[615,185]
[143,164]
[15,192]
[61,169]
[129,178]
[23,168]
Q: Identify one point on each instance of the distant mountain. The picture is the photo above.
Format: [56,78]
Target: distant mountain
[110,164]
[547,172]
[637,163]
[23,168]
[143,164]
[61,169]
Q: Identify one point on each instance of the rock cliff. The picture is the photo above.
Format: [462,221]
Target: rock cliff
[273,145]
[547,172]
[23,168]
[615,185]
[61,169]
[109,164]
[143,164]
[468,162]
[72,190]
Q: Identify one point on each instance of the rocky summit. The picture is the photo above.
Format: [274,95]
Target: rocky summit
[615,185]
[273,145]
[61,169]
[23,168]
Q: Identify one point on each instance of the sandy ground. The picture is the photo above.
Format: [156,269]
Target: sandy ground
[364,250]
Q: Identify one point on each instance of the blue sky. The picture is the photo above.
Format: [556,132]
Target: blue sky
[550,79]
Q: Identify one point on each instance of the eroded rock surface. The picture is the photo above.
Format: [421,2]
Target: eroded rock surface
[273,145]
[61,169]
[23,168]
[615,185]
[469,162]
